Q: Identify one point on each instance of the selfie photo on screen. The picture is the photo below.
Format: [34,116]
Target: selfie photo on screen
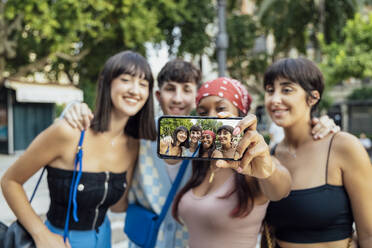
[180,137]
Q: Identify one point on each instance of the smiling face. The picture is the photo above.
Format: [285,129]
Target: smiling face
[287,102]
[181,136]
[129,94]
[224,137]
[177,98]
[195,136]
[207,141]
[212,105]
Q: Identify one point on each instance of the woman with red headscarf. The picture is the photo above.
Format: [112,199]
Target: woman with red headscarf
[224,207]
[208,145]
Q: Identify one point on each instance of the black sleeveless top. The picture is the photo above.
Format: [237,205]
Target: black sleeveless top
[319,214]
[96,192]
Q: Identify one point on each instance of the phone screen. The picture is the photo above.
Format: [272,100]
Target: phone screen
[197,137]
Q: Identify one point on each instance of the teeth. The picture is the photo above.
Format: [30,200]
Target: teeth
[175,108]
[131,100]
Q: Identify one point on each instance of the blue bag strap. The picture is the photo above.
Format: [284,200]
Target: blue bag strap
[174,188]
[74,182]
[37,185]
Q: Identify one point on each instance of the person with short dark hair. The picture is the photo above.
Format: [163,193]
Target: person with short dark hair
[111,146]
[177,81]
[331,178]
[225,136]
[195,136]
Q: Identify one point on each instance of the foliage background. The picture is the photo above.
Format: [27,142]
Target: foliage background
[74,38]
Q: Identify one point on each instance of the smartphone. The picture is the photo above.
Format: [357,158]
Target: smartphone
[197,137]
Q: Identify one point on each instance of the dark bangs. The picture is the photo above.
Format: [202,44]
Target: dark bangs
[196,128]
[228,128]
[301,71]
[131,63]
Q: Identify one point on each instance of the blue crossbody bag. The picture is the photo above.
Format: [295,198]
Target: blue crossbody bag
[141,224]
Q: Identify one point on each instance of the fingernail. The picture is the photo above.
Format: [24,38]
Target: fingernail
[239,170]
[222,114]
[236,155]
[236,131]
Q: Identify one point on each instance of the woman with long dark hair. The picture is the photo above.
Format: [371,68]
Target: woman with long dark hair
[220,206]
[124,101]
[178,144]
[331,177]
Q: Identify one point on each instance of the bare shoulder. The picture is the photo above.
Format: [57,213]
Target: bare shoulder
[345,143]
[63,132]
[217,154]
[349,152]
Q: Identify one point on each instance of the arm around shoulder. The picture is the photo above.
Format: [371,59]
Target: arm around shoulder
[357,177]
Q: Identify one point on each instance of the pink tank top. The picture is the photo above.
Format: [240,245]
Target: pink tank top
[208,220]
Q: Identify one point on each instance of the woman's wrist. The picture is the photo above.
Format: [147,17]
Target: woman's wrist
[261,167]
[39,231]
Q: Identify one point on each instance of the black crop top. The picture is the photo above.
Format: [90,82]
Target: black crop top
[96,192]
[319,214]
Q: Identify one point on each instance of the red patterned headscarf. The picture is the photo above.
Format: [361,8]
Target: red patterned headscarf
[211,133]
[227,88]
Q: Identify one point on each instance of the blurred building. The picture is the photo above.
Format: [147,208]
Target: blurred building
[354,116]
[27,108]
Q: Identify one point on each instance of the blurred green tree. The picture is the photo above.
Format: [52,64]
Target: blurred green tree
[294,25]
[362,93]
[76,37]
[168,125]
[353,56]
[209,124]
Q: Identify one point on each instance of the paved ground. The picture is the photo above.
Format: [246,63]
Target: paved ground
[41,203]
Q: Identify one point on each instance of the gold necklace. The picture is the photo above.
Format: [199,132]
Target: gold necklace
[211,177]
[113,140]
